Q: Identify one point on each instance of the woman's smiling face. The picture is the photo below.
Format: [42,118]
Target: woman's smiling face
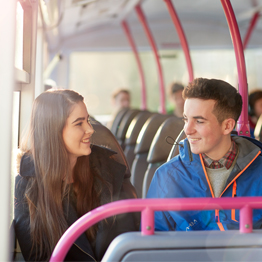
[77,132]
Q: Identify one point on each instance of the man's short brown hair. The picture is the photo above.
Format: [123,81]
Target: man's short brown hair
[228,100]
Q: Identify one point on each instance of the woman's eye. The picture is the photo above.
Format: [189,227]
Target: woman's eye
[79,124]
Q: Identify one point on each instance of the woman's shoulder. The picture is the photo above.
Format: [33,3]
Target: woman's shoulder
[102,150]
[26,167]
[104,156]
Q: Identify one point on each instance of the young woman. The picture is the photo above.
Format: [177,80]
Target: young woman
[62,176]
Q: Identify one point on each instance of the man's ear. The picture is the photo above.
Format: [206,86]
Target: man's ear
[228,125]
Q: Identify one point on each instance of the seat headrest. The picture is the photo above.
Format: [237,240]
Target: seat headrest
[103,137]
[135,127]
[128,117]
[148,132]
[159,149]
[117,120]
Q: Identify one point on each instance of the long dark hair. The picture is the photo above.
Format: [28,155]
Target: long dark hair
[46,191]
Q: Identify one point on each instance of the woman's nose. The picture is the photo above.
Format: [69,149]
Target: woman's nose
[89,129]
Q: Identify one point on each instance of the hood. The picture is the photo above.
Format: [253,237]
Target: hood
[248,148]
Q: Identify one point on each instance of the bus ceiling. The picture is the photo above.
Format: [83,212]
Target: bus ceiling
[68,22]
[84,24]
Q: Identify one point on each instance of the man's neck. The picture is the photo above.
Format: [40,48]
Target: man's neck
[222,150]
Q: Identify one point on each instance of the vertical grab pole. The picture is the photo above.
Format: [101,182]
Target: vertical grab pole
[243,123]
[250,29]
[140,69]
[147,222]
[143,21]
[245,219]
[182,38]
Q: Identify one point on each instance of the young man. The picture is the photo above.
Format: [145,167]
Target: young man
[211,162]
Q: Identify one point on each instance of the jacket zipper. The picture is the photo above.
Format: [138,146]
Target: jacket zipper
[84,251]
[233,181]
[234,193]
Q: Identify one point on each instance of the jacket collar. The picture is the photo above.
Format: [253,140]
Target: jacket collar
[27,167]
[248,149]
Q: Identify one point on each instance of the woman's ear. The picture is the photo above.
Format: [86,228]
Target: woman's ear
[228,125]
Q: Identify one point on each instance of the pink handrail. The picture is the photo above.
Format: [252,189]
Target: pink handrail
[139,64]
[147,208]
[143,21]
[250,29]
[243,123]
[182,38]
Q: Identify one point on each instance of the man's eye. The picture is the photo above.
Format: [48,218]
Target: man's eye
[184,119]
[199,122]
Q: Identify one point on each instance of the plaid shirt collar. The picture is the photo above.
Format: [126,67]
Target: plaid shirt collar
[225,161]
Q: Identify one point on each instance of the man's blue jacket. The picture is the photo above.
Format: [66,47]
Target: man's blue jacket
[185,176]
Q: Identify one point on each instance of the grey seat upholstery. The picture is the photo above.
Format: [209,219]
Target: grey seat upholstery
[132,134]
[175,148]
[141,150]
[186,246]
[117,120]
[127,119]
[258,129]
[104,137]
[160,149]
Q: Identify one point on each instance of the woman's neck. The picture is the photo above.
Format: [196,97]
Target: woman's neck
[72,165]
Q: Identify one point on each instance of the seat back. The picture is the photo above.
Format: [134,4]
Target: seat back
[132,134]
[103,137]
[127,119]
[160,149]
[117,120]
[143,142]
[186,246]
[175,148]
[258,129]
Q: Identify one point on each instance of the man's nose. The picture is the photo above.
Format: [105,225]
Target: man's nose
[189,128]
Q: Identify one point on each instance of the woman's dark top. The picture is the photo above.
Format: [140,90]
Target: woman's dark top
[101,161]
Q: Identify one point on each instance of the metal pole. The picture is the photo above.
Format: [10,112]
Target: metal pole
[143,21]
[243,123]
[182,38]
[250,29]
[139,64]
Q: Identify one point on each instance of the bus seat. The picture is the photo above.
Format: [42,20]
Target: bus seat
[258,129]
[142,146]
[103,137]
[175,148]
[127,119]
[117,120]
[132,134]
[186,246]
[159,149]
